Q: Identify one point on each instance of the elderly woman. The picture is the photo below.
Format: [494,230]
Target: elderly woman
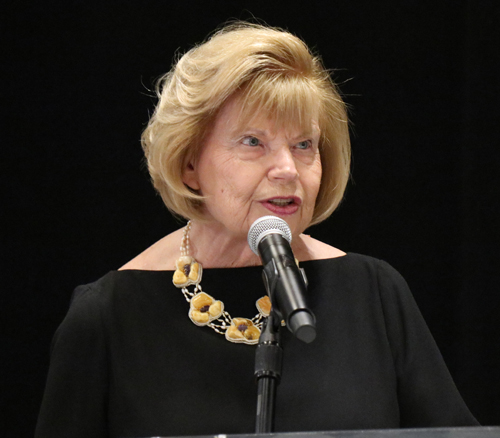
[248,124]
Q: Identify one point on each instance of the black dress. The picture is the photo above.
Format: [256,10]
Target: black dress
[127,361]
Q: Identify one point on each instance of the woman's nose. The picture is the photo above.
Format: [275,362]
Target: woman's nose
[283,166]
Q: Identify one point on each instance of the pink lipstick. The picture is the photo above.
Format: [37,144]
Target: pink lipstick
[282,205]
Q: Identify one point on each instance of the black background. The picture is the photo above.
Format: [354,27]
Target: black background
[421,77]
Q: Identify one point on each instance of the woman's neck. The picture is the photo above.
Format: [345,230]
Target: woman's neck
[216,249]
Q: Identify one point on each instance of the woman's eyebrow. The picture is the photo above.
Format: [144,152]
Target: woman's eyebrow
[244,129]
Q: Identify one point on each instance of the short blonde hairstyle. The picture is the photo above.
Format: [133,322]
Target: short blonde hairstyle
[273,71]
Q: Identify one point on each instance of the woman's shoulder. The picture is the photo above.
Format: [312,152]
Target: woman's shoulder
[94,294]
[352,265]
[115,293]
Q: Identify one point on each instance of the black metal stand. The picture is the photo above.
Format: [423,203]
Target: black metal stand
[299,319]
[268,363]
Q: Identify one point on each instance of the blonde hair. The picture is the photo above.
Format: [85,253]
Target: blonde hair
[273,71]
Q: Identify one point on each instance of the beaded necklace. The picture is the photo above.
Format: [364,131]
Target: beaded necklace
[204,310]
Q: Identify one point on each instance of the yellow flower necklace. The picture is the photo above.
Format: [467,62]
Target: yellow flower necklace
[204,310]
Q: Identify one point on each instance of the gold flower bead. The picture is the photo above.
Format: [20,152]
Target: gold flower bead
[204,309]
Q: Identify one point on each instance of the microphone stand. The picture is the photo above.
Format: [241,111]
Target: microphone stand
[269,354]
[268,363]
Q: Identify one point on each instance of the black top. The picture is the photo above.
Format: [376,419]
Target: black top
[127,361]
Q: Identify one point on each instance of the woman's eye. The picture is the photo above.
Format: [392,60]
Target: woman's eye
[306,144]
[251,141]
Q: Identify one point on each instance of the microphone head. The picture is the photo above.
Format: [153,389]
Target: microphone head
[264,226]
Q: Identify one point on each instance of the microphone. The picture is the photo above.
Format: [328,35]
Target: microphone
[269,237]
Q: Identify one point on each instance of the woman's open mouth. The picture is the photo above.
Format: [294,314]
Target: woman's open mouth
[282,205]
[281,202]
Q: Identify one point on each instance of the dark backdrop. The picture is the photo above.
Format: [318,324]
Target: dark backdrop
[421,78]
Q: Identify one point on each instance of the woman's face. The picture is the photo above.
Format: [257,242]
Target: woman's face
[251,169]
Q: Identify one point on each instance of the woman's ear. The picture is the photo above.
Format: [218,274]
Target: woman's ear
[190,177]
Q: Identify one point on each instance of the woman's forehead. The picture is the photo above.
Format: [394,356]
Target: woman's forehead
[240,115]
